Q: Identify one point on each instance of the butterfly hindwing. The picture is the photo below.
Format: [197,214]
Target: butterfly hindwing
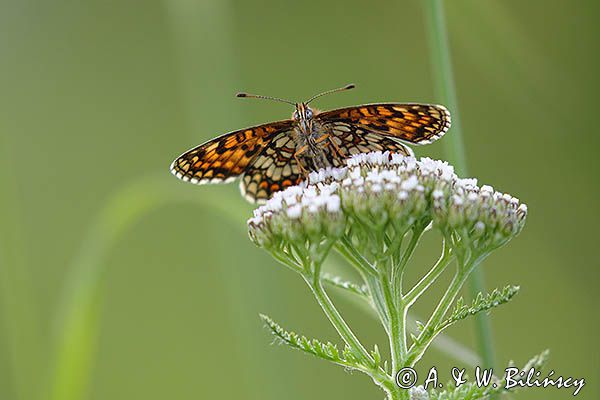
[274,169]
[225,158]
[351,139]
[411,122]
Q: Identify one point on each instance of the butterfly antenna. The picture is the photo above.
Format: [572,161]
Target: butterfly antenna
[347,87]
[256,96]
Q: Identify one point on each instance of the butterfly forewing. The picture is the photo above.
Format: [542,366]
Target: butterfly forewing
[225,158]
[414,123]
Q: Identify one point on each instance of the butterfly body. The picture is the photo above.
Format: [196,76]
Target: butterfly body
[276,155]
[312,140]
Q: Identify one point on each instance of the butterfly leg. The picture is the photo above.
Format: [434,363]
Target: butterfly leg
[322,138]
[337,152]
[336,149]
[303,170]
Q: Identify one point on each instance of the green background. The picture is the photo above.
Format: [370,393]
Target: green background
[99,96]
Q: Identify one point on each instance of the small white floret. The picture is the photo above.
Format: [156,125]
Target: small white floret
[294,212]
[333,203]
[458,200]
[409,184]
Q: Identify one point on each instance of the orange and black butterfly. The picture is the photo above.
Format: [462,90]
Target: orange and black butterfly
[276,155]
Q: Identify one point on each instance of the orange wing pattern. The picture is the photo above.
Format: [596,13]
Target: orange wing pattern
[272,170]
[414,123]
[225,158]
[263,156]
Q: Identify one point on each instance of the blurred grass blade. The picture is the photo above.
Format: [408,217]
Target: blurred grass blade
[439,49]
[77,318]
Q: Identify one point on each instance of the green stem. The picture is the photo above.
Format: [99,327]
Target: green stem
[432,328]
[430,277]
[454,147]
[429,331]
[286,261]
[345,248]
[313,279]
[376,293]
[398,271]
[337,320]
[397,325]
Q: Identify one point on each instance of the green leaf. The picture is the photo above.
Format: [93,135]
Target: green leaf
[326,351]
[376,356]
[480,304]
[421,326]
[347,286]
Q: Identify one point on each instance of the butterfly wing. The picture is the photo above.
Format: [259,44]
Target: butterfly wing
[413,123]
[227,157]
[274,169]
[351,139]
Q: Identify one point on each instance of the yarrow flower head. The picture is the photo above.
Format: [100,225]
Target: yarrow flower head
[300,213]
[380,190]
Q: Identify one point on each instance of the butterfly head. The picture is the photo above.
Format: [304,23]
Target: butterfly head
[303,116]
[303,112]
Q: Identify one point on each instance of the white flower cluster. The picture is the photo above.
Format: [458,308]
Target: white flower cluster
[380,188]
[418,393]
[480,209]
[391,187]
[312,210]
[298,199]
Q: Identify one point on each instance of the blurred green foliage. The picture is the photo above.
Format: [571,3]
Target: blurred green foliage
[97,99]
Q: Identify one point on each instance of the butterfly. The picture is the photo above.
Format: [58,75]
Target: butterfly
[271,157]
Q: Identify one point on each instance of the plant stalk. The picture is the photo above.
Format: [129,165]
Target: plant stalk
[337,320]
[428,334]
